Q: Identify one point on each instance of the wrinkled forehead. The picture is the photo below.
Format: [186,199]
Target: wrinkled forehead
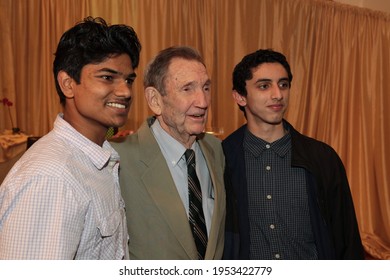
[184,71]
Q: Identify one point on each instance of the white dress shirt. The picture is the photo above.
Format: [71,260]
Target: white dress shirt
[62,200]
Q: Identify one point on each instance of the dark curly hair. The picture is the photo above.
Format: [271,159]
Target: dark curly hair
[92,41]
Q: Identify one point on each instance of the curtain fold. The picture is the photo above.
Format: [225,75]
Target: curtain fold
[339,55]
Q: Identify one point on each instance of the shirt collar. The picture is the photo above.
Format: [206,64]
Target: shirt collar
[99,156]
[256,146]
[173,149]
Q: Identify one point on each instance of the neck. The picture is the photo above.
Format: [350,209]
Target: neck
[185,139]
[94,133]
[267,132]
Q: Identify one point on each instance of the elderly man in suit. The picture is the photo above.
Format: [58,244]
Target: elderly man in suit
[171,214]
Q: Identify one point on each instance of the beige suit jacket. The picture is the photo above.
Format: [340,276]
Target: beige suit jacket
[156,219]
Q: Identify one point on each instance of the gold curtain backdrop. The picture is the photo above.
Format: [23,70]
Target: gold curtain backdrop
[339,54]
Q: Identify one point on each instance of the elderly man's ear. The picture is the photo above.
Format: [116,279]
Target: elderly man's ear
[153,97]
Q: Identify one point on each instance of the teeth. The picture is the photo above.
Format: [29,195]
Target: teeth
[116,105]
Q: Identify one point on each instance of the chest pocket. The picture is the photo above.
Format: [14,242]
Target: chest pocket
[112,240]
[110,224]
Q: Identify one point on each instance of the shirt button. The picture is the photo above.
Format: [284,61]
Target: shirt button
[277,256]
[268,167]
[272,226]
[268,146]
[269,196]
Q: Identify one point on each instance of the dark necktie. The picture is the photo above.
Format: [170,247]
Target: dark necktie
[196,216]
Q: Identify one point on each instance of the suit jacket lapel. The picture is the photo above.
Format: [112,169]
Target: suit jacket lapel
[159,183]
[217,219]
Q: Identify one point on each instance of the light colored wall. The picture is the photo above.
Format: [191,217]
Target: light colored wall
[380,5]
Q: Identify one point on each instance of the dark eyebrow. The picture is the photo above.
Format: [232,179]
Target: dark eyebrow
[109,70]
[284,79]
[112,71]
[269,80]
[262,80]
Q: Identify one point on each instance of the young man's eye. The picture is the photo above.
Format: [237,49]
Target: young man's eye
[263,86]
[107,77]
[284,85]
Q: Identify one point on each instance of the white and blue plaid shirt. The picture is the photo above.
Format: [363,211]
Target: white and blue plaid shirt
[62,200]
